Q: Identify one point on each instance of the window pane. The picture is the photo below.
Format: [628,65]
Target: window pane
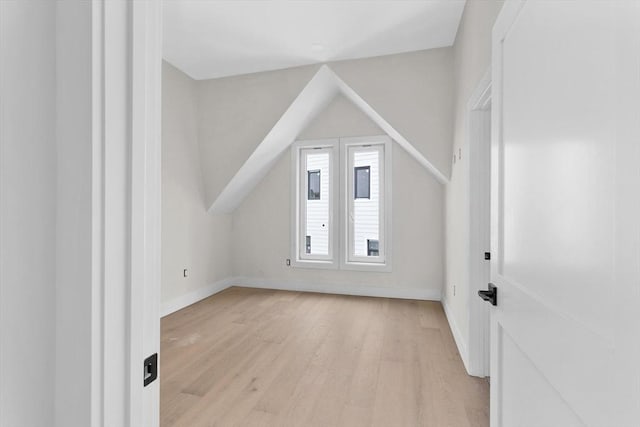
[361,182]
[366,202]
[317,203]
[372,247]
[313,178]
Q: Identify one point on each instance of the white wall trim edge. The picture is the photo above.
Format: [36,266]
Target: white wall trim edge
[194,296]
[339,288]
[457,336]
[477,114]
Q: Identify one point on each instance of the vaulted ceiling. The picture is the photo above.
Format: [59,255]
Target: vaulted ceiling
[214,38]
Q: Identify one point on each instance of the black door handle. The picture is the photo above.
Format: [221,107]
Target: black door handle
[491,295]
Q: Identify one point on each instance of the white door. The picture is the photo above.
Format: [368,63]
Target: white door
[565,214]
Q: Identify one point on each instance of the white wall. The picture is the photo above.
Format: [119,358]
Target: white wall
[235,115]
[412,91]
[472,58]
[74,215]
[191,238]
[261,225]
[27,212]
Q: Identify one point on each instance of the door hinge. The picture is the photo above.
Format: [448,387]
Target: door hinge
[150,369]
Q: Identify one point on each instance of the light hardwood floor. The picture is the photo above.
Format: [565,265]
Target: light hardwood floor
[250,357]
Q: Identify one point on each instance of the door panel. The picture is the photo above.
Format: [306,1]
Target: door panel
[558,156]
[547,410]
[566,244]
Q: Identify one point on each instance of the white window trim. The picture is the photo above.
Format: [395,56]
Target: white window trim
[385,229]
[339,243]
[297,182]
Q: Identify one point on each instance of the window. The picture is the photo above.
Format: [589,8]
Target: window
[365,208]
[372,247]
[313,179]
[340,207]
[362,182]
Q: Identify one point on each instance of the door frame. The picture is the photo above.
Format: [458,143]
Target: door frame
[146,207]
[125,62]
[479,185]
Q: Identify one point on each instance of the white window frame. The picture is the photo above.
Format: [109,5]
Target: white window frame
[348,261]
[340,186]
[299,197]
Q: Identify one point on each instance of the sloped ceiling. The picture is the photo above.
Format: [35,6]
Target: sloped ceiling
[313,98]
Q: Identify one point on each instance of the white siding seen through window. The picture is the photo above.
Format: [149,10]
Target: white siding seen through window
[317,208]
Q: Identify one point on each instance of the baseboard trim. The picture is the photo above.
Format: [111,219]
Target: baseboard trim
[341,289]
[194,296]
[457,336]
[299,286]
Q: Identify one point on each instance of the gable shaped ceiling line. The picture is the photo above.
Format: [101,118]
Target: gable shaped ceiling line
[313,98]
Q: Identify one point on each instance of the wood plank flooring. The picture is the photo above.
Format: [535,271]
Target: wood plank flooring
[251,357]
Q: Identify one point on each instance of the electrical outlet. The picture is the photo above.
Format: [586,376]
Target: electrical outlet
[288,262]
[185,273]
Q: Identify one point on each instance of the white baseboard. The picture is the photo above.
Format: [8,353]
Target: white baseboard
[457,336]
[194,296]
[288,285]
[342,289]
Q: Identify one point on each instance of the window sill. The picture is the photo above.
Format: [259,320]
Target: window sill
[347,266]
[366,266]
[314,264]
